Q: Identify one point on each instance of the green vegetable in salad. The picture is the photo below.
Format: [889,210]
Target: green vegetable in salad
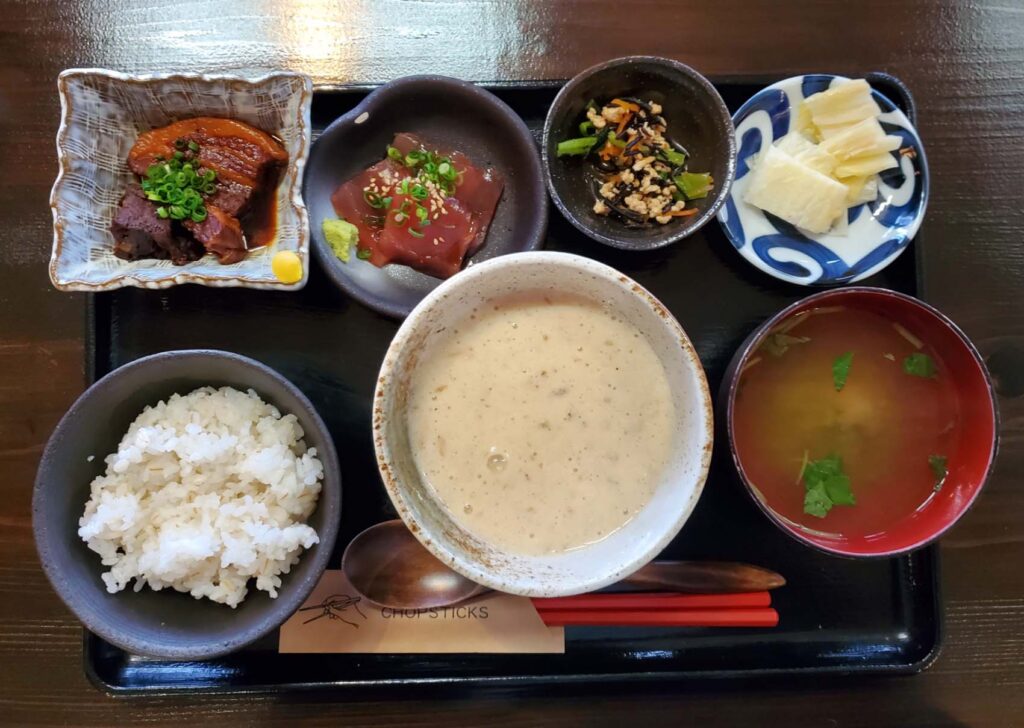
[576,147]
[693,185]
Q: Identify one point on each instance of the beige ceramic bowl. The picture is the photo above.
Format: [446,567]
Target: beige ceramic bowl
[591,566]
[102,114]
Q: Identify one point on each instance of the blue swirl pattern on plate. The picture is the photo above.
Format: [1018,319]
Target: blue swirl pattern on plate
[877,231]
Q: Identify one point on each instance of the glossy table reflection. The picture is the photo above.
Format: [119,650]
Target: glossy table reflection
[965,65]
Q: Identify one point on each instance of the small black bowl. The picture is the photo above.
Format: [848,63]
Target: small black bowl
[697,118]
[167,624]
[455,115]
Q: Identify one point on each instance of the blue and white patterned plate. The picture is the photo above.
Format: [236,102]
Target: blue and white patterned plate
[878,231]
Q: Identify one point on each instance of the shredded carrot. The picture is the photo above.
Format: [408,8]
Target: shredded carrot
[608,151]
[622,124]
[683,213]
[628,105]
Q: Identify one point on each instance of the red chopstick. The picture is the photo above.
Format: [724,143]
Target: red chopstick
[757,617]
[655,601]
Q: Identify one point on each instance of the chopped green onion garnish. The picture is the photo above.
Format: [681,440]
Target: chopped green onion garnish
[420,192]
[394,154]
[178,188]
[386,201]
[193,146]
[421,213]
[576,147]
[400,217]
[415,157]
[445,170]
[372,199]
[415,233]
[180,144]
[364,254]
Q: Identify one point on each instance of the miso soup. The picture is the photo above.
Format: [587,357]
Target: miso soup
[845,421]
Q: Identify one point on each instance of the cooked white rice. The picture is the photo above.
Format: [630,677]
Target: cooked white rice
[205,492]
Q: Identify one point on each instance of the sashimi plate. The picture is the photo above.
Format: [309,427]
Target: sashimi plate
[875,232]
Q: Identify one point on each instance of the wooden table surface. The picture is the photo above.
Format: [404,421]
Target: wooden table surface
[964,61]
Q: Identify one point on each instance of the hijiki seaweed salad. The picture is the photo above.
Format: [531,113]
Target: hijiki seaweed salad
[642,176]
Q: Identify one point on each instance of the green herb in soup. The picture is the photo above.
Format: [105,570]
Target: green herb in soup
[940,468]
[919,364]
[841,370]
[826,485]
[827,398]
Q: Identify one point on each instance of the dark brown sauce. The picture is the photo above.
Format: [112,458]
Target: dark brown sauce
[260,223]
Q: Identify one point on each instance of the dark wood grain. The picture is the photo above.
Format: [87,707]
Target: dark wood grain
[964,61]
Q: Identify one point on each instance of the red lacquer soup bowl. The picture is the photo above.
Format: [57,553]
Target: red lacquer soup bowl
[899,509]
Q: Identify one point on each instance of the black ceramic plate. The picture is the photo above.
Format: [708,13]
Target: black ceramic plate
[454,115]
[837,615]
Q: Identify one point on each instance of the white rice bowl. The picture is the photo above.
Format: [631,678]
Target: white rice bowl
[205,492]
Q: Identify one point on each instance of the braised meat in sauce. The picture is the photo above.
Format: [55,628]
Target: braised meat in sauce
[206,185]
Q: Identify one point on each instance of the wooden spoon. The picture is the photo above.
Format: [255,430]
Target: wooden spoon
[389,567]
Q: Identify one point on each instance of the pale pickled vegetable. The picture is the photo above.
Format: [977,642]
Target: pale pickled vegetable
[844,104]
[829,161]
[860,189]
[792,190]
[862,139]
[804,150]
[865,165]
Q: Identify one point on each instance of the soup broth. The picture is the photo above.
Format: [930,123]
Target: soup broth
[543,424]
[893,430]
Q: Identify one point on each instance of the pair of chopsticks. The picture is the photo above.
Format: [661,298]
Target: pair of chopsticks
[660,609]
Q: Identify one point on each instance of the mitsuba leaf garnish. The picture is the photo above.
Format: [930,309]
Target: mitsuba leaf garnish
[826,485]
[940,468]
[778,344]
[919,365]
[841,370]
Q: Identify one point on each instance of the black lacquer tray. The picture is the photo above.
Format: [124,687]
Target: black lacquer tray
[837,615]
